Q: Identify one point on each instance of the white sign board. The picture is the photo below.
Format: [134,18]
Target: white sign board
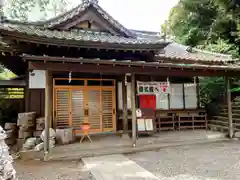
[149,124]
[152,87]
[162,101]
[190,96]
[176,96]
[141,124]
[37,79]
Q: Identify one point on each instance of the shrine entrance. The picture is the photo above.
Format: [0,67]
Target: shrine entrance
[85,100]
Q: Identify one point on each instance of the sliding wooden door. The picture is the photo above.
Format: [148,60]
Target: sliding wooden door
[93,104]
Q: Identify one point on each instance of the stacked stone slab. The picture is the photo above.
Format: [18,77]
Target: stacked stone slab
[39,127]
[11,133]
[220,122]
[26,124]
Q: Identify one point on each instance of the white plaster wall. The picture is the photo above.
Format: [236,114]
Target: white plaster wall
[37,79]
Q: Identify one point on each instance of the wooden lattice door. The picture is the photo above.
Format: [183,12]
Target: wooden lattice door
[77,108]
[93,110]
[93,104]
[108,109]
[69,107]
[62,112]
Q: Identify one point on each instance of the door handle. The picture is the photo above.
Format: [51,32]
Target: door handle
[114,111]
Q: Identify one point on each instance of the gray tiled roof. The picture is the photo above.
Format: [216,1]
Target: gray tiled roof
[181,52]
[79,35]
[172,51]
[81,8]
[178,51]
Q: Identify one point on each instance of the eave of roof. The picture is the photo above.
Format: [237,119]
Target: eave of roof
[223,67]
[82,36]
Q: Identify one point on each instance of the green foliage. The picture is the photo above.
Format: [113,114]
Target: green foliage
[211,89]
[212,25]
[24,10]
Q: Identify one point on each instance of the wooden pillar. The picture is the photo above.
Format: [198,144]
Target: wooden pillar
[133,103]
[198,92]
[229,102]
[125,108]
[47,115]
[26,92]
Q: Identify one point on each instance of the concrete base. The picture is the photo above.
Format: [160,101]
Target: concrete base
[125,137]
[116,167]
[116,145]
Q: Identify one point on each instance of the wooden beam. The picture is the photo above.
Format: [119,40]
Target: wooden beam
[184,95]
[229,102]
[125,108]
[120,69]
[133,103]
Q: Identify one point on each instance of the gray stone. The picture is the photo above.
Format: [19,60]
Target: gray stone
[37,170]
[212,161]
[237,134]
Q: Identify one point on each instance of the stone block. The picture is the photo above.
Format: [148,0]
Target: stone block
[64,136]
[27,134]
[10,126]
[20,143]
[237,134]
[10,141]
[37,133]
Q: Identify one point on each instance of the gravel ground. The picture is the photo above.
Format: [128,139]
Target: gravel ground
[215,161]
[37,170]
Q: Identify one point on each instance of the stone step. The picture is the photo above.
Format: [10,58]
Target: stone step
[220,128]
[218,122]
[223,128]
[223,118]
[234,111]
[225,114]
[235,117]
[233,107]
[236,101]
